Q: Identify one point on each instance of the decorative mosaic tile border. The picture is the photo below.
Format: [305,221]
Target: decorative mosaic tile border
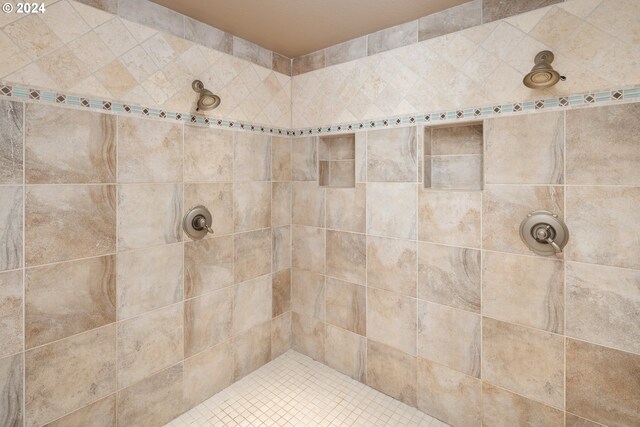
[631,94]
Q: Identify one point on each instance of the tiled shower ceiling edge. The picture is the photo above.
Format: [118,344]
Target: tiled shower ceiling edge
[585,99]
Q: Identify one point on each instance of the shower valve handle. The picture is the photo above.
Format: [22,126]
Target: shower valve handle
[200,222]
[546,234]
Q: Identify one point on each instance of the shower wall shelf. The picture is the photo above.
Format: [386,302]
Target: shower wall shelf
[336,161]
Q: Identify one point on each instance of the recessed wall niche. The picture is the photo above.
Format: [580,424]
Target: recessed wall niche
[453,157]
[337,164]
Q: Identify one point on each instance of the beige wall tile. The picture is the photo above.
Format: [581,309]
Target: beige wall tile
[145,284]
[391,372]
[218,198]
[392,265]
[456,172]
[207,320]
[280,203]
[11,149]
[252,205]
[252,254]
[492,10]
[308,336]
[391,319]
[346,352]
[526,149]
[11,316]
[308,293]
[361,156]
[391,210]
[69,298]
[504,207]
[69,374]
[448,395]
[12,386]
[450,20]
[524,290]
[602,145]
[449,337]
[251,350]
[346,208]
[148,215]
[11,214]
[392,37]
[346,305]
[149,151]
[252,157]
[67,222]
[503,409]
[281,64]
[33,36]
[281,248]
[207,373]
[208,265]
[603,220]
[602,384]
[575,421]
[603,305]
[308,248]
[280,335]
[392,155]
[153,401]
[280,293]
[149,343]
[251,304]
[347,256]
[308,204]
[251,52]
[526,361]
[153,15]
[304,159]
[347,51]
[449,275]
[208,154]
[99,414]
[451,218]
[281,159]
[306,63]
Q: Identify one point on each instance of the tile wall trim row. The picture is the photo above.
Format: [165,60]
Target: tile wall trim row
[586,99]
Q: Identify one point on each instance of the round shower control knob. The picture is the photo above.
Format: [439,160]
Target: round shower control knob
[544,233]
[197,222]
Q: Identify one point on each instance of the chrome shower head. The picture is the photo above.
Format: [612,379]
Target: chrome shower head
[207,100]
[542,74]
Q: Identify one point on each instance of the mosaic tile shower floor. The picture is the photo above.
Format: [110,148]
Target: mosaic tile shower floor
[294,390]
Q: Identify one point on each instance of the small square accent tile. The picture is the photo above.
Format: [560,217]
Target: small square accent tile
[617,95]
[497,109]
[193,119]
[443,116]
[589,98]
[517,107]
[145,111]
[563,101]
[85,102]
[34,94]
[459,114]
[539,104]
[60,99]
[477,112]
[106,105]
[163,114]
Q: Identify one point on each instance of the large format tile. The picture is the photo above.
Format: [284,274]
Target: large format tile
[503,409]
[148,215]
[493,10]
[280,335]
[207,320]
[347,256]
[391,372]
[504,207]
[304,159]
[68,374]
[527,149]
[391,320]
[69,146]
[11,142]
[208,265]
[144,283]
[11,391]
[251,304]
[251,350]
[208,154]
[448,395]
[67,222]
[280,203]
[251,205]
[392,37]
[98,414]
[251,254]
[207,373]
[11,238]
[153,401]
[450,20]
[69,298]
[281,248]
[449,337]
[524,290]
[346,352]
[308,336]
[456,172]
[281,159]
[149,343]
[347,51]
[11,316]
[452,218]
[346,305]
[523,360]
[392,265]
[603,305]
[308,248]
[602,384]
[392,155]
[602,146]
[449,275]
[252,157]
[308,204]
[308,293]
[391,210]
[280,293]
[218,199]
[605,225]
[346,208]
[149,151]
